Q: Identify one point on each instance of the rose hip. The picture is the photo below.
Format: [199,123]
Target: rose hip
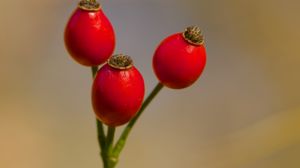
[180,59]
[118,91]
[89,35]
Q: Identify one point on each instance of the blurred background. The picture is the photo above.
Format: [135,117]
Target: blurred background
[244,111]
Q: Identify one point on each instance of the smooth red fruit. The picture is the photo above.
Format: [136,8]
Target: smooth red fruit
[180,59]
[118,91]
[89,35]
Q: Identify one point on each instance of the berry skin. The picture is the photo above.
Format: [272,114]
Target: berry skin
[118,91]
[89,35]
[180,59]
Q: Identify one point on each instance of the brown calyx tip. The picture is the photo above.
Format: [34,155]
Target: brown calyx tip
[120,61]
[193,35]
[89,5]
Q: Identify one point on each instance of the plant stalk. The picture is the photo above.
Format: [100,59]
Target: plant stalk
[122,140]
[100,128]
[111,160]
[109,152]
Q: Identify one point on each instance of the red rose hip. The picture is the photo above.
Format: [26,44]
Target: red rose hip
[117,91]
[89,35]
[180,58]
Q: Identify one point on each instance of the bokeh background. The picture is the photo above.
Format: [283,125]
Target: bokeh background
[244,112]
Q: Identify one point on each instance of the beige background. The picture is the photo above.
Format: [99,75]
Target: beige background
[244,112]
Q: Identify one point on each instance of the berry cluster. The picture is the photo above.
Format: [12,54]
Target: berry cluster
[118,88]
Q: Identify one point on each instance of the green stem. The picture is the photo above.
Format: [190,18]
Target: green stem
[122,140]
[109,160]
[100,129]
[94,71]
[101,136]
[110,138]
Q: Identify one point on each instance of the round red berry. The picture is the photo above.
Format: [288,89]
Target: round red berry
[89,35]
[117,91]
[180,58]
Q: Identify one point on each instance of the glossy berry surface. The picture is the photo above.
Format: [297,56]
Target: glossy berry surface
[178,62]
[117,93]
[89,37]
